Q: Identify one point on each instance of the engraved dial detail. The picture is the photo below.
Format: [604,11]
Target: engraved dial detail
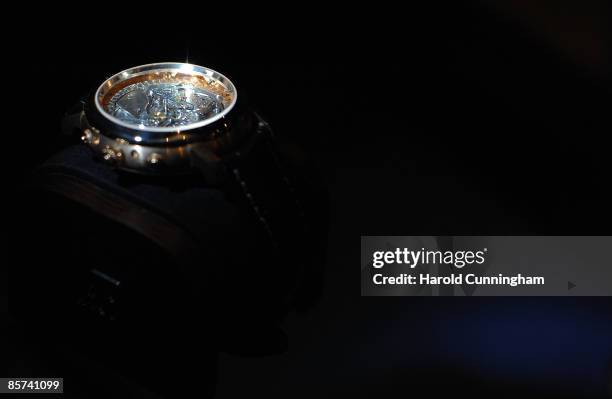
[164,104]
[163,101]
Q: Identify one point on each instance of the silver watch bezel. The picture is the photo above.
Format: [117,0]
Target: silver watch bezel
[178,67]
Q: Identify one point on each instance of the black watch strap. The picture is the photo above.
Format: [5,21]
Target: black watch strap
[266,182]
[256,177]
[265,187]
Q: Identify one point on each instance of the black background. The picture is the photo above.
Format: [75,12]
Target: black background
[470,118]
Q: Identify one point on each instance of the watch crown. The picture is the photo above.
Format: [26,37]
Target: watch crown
[86,136]
[91,136]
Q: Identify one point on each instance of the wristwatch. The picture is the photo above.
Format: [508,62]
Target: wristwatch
[169,119]
[174,152]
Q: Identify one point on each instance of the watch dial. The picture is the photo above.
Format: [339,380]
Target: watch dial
[162,97]
[164,104]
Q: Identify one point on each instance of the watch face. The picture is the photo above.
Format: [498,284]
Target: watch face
[165,97]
